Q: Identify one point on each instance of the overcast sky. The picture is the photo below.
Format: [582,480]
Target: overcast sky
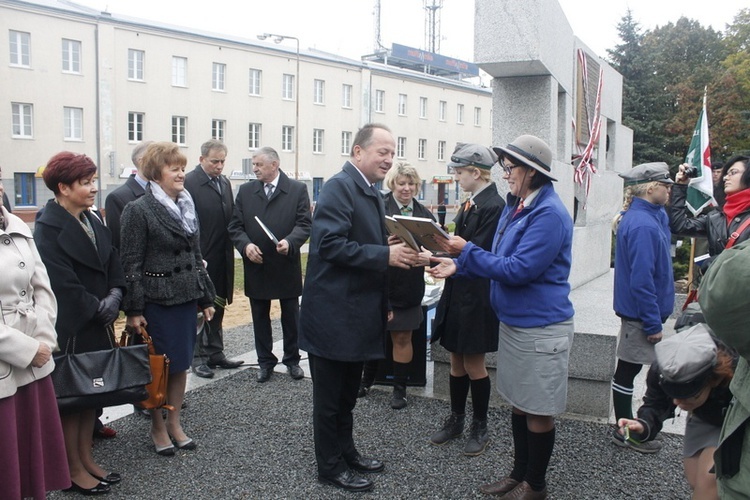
[347,27]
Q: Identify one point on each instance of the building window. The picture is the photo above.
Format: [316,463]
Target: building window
[319,91]
[441,151]
[25,188]
[317,186]
[442,111]
[218,77]
[459,113]
[71,56]
[135,64]
[477,117]
[20,49]
[287,87]
[135,126]
[179,71]
[317,140]
[255,81]
[402,104]
[179,130]
[287,135]
[73,127]
[421,147]
[401,147]
[218,129]
[23,126]
[346,96]
[423,107]
[253,136]
[379,101]
[346,143]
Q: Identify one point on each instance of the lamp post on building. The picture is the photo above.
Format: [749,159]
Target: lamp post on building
[279,39]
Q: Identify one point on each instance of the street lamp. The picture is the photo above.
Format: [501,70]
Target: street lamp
[279,39]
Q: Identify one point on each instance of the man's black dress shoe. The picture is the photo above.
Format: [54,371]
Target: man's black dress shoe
[203,371]
[348,480]
[99,489]
[224,363]
[362,464]
[264,375]
[295,372]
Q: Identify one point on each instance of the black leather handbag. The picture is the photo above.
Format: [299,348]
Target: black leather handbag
[99,379]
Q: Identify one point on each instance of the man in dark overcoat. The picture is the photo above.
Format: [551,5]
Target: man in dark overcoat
[344,302]
[273,270]
[134,188]
[212,195]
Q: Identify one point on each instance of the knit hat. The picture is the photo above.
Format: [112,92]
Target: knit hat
[467,155]
[686,361]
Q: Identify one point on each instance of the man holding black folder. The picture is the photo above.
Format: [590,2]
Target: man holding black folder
[272,270]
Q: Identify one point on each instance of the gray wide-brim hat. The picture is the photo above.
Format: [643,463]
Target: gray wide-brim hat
[686,361]
[531,151]
[476,155]
[648,172]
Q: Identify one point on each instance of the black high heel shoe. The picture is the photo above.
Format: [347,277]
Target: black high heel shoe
[111,478]
[99,489]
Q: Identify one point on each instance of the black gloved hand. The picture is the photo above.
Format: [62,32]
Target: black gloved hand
[109,307]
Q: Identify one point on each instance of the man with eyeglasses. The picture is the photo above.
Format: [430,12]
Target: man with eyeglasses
[214,203]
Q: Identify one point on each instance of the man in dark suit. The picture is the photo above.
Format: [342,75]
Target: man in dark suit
[212,194]
[345,303]
[272,269]
[134,188]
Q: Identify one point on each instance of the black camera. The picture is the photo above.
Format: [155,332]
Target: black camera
[691,172]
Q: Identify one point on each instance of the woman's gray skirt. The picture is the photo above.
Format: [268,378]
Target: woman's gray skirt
[699,435]
[532,367]
[632,344]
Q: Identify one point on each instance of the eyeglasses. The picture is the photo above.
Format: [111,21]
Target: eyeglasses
[508,168]
[665,185]
[215,161]
[732,172]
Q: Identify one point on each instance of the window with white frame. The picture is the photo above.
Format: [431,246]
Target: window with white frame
[319,91]
[459,113]
[442,111]
[20,48]
[402,104]
[477,117]
[380,101]
[179,130]
[218,129]
[71,56]
[135,126]
[346,142]
[421,147]
[401,147]
[253,136]
[441,151]
[287,87]
[22,126]
[423,107]
[317,140]
[179,71]
[255,81]
[136,60]
[218,77]
[73,124]
[287,136]
[346,96]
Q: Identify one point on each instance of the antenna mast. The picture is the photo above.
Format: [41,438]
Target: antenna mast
[432,24]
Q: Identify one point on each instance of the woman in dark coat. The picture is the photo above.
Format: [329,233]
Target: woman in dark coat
[167,279]
[464,320]
[87,279]
[405,286]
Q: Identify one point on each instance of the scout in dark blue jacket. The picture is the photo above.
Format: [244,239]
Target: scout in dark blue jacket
[644,284]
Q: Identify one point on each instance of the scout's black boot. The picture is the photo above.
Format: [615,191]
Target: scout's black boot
[478,438]
[452,428]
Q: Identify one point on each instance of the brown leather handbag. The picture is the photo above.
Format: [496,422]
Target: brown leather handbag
[159,363]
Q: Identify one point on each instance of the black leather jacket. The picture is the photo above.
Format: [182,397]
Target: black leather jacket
[711,225]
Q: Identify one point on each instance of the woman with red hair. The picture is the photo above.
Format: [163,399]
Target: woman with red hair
[87,279]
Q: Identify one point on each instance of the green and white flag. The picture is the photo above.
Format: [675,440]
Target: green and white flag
[700,192]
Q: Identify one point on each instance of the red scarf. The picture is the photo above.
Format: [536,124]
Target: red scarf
[736,204]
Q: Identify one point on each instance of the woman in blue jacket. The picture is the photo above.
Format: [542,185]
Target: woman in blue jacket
[528,266]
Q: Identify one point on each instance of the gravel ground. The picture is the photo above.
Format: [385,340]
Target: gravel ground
[255,441]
